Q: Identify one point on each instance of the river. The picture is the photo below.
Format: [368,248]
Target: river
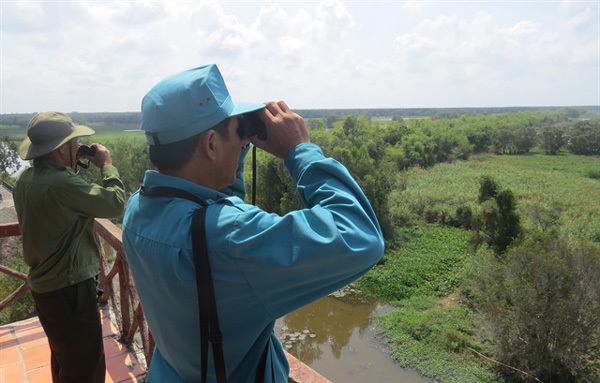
[338,337]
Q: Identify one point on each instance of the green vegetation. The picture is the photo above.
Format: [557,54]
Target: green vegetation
[425,261]
[8,156]
[497,223]
[538,307]
[492,228]
[436,340]
[129,153]
[23,307]
[533,307]
[107,138]
[557,183]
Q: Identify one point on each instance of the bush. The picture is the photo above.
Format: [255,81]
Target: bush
[584,138]
[552,139]
[540,307]
[130,157]
[23,307]
[498,223]
[9,159]
[594,174]
[464,217]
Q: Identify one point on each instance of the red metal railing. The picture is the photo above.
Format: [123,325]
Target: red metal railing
[10,230]
[124,301]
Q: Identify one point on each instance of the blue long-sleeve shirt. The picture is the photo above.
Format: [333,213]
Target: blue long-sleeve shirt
[264,265]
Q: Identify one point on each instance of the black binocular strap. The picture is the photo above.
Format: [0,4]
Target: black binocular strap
[207,304]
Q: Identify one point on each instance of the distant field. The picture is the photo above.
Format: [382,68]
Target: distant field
[13,132]
[565,182]
[108,137]
[104,133]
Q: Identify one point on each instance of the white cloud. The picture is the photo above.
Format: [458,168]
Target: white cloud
[96,55]
[449,52]
[417,6]
[334,20]
[574,6]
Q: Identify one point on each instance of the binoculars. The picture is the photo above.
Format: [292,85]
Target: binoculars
[250,125]
[85,150]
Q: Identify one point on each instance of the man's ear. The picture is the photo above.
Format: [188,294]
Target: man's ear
[65,149]
[207,144]
[62,154]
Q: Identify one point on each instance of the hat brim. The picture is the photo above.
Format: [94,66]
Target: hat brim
[29,151]
[245,107]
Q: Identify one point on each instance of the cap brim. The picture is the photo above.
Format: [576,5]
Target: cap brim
[245,107]
[29,151]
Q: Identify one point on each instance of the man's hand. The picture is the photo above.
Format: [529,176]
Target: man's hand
[102,156]
[285,129]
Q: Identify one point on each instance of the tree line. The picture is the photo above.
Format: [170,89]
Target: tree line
[328,115]
[21,120]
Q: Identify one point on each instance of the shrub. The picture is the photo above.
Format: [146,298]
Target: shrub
[23,307]
[584,138]
[540,306]
[498,223]
[594,174]
[464,215]
[552,139]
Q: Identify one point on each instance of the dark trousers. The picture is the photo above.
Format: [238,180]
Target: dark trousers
[71,320]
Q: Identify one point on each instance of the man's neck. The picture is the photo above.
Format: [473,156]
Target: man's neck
[57,156]
[190,174]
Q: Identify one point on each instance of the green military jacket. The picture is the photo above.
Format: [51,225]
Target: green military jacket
[56,210]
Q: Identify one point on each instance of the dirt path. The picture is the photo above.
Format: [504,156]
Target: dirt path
[7,206]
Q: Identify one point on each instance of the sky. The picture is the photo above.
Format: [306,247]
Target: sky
[104,56]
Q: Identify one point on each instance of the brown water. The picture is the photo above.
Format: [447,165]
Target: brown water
[339,338]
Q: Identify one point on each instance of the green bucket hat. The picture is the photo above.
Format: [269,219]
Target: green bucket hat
[48,131]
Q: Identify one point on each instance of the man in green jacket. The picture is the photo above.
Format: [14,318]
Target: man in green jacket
[56,210]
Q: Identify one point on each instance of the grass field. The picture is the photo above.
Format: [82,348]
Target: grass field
[104,133]
[105,138]
[565,183]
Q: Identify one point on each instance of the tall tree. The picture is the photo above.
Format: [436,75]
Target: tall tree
[498,223]
[552,139]
[584,138]
[9,159]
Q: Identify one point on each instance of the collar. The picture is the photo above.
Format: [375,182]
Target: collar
[153,179]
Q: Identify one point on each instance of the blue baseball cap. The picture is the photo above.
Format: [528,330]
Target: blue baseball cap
[187,103]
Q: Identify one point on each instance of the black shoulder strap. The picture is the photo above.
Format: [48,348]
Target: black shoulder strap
[166,191]
[206,299]
[207,304]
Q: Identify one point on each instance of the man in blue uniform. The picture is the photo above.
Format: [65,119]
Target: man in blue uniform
[263,265]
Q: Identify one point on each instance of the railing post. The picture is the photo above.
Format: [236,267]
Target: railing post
[14,296]
[18,292]
[124,294]
[9,229]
